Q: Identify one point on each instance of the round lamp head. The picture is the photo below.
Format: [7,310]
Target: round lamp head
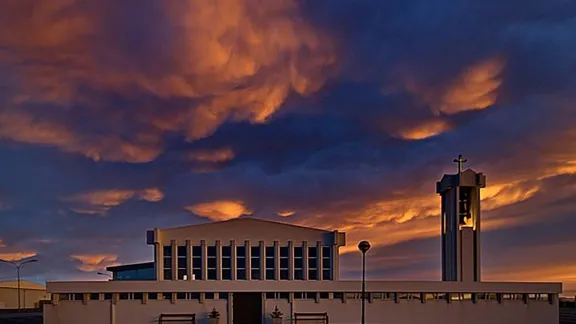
[364,246]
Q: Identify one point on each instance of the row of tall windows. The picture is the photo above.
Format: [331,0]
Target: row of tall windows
[260,264]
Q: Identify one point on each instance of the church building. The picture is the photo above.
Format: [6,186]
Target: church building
[254,271]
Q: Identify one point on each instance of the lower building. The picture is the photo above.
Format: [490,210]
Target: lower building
[31,294]
[246,270]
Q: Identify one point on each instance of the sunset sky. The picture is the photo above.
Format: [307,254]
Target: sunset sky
[122,116]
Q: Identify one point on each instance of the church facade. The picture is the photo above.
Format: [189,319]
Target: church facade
[245,269]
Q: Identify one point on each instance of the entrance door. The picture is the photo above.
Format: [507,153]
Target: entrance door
[247,308]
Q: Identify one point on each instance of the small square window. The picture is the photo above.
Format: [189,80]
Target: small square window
[298,252]
[181,295]
[270,275]
[107,296]
[209,295]
[312,263]
[226,263]
[181,274]
[123,296]
[197,251]
[326,275]
[298,275]
[227,251]
[326,263]
[284,263]
[167,251]
[326,251]
[241,263]
[211,251]
[153,296]
[312,252]
[284,274]
[241,251]
[211,274]
[197,274]
[167,263]
[211,262]
[312,275]
[255,274]
[94,296]
[197,263]
[269,251]
[298,295]
[167,274]
[182,251]
[255,251]
[226,274]
[241,274]
[269,263]
[298,263]
[255,262]
[324,295]
[182,263]
[284,251]
[138,296]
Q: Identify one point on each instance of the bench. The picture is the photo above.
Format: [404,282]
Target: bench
[316,318]
[177,318]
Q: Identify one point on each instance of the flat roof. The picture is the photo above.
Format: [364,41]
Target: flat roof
[298,286]
[133,266]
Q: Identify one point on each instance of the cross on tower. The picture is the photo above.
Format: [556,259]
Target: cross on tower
[460,160]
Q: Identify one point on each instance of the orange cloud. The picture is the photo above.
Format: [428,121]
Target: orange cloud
[476,88]
[220,210]
[16,256]
[219,155]
[424,130]
[286,213]
[100,202]
[233,60]
[2,244]
[95,262]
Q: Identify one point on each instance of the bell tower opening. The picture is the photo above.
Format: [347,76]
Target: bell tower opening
[460,196]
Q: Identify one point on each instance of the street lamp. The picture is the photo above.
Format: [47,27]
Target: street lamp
[364,246]
[18,265]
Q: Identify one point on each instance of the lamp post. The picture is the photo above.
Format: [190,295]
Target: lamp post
[364,246]
[18,265]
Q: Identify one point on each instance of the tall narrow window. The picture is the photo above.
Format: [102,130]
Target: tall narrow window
[270,260]
[312,263]
[182,262]
[326,263]
[212,263]
[168,262]
[241,263]
[227,263]
[298,263]
[284,263]
[197,262]
[255,262]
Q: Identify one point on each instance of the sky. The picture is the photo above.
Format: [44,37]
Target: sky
[121,116]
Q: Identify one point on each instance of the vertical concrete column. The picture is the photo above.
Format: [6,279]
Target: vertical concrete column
[262,249]
[335,262]
[248,260]
[174,244]
[229,308]
[204,260]
[218,260]
[188,260]
[290,260]
[277,260]
[159,258]
[145,298]
[305,259]
[233,261]
[319,260]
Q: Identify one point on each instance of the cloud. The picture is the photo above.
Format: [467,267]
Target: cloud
[2,244]
[220,210]
[100,202]
[231,60]
[16,256]
[95,262]
[220,155]
[286,213]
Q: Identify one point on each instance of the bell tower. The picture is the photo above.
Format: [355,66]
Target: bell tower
[460,195]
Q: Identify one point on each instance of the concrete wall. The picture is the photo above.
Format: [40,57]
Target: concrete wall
[28,297]
[129,311]
[431,312]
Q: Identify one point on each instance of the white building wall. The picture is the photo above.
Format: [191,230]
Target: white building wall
[129,311]
[412,312]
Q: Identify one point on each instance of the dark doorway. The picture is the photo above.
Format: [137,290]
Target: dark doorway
[247,308]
